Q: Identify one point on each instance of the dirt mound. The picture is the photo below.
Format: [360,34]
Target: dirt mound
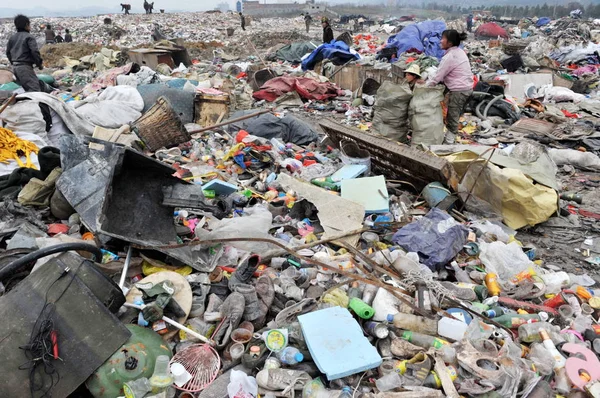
[202,50]
[52,54]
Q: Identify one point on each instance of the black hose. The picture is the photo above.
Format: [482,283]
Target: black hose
[36,255]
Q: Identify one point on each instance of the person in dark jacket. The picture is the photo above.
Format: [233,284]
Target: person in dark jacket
[327,31]
[50,35]
[68,37]
[23,53]
[243,21]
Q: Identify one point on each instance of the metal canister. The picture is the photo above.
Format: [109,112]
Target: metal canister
[377,329]
[556,301]
[491,282]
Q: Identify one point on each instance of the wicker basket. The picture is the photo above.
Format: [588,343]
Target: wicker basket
[160,127]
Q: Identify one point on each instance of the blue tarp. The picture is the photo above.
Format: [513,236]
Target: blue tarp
[335,50]
[543,21]
[423,37]
[436,238]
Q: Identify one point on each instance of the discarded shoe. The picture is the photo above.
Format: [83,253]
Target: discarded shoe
[284,380]
[266,294]
[244,271]
[232,311]
[252,309]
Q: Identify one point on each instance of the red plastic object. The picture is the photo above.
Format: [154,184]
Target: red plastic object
[202,362]
[54,339]
[55,229]
[241,135]
[529,307]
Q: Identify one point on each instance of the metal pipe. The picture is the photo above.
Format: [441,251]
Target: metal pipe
[176,324]
[125,267]
[226,122]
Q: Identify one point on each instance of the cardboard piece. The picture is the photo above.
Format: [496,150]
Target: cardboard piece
[370,192]
[337,215]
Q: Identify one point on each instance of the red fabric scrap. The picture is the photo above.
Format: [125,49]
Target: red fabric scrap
[307,88]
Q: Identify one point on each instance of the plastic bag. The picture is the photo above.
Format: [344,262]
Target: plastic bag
[241,385]
[504,260]
[583,160]
[426,117]
[391,111]
[437,238]
[255,223]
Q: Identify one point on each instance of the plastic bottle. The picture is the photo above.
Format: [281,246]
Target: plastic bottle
[316,389]
[161,378]
[513,321]
[530,332]
[496,311]
[491,282]
[559,360]
[389,382]
[346,393]
[369,294]
[423,340]
[460,274]
[414,323]
[290,356]
[467,291]
[452,328]
[137,388]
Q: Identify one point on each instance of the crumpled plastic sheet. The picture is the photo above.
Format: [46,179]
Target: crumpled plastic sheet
[437,238]
[422,37]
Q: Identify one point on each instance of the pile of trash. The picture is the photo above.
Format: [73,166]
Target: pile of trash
[174,226]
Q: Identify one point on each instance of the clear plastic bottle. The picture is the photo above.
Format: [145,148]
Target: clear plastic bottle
[530,332]
[388,382]
[559,360]
[161,378]
[137,388]
[290,356]
[414,323]
[346,393]
[423,340]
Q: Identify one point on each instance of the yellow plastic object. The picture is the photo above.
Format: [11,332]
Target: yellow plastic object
[149,269]
[337,297]
[518,198]
[583,293]
[12,146]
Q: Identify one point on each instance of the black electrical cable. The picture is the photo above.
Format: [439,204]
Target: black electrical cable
[36,255]
[39,350]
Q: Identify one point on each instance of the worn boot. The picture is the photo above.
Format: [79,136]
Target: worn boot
[252,307]
[244,272]
[232,311]
[266,294]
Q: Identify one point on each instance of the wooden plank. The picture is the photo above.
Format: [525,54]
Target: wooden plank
[394,160]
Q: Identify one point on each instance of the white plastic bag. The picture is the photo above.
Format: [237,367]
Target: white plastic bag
[504,260]
[241,385]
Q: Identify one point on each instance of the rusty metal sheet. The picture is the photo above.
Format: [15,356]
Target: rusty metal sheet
[394,160]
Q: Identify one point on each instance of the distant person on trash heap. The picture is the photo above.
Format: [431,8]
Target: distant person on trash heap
[50,35]
[455,72]
[307,21]
[23,53]
[413,75]
[327,31]
[68,37]
[470,22]
[243,21]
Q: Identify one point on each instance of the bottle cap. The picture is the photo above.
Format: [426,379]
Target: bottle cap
[299,357]
[390,318]
[544,316]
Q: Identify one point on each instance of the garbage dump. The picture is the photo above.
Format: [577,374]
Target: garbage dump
[189,209]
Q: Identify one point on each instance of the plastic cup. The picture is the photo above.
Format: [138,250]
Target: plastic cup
[236,351]
[566,311]
[241,335]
